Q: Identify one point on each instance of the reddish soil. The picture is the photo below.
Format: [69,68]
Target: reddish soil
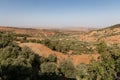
[28,31]
[44,51]
[113,39]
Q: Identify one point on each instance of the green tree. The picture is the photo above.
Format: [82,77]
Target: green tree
[67,68]
[52,58]
[82,72]
[18,61]
[6,39]
[48,68]
[102,69]
[101,47]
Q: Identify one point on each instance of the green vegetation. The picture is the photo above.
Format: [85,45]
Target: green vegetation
[22,64]
[22,35]
[64,46]
[82,72]
[18,63]
[67,68]
[48,68]
[15,63]
[52,58]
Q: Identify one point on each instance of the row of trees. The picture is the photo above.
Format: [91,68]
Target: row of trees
[65,46]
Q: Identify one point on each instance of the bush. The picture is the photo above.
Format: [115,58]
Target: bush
[52,58]
[106,68]
[48,68]
[82,71]
[101,47]
[17,61]
[67,68]
[6,39]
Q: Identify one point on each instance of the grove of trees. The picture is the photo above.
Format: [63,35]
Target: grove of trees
[64,46]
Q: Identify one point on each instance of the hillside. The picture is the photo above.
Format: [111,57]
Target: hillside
[114,26]
[60,55]
[87,41]
[42,32]
[28,31]
[44,51]
[109,34]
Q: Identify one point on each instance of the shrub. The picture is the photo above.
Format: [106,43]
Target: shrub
[48,68]
[52,58]
[67,68]
[82,71]
[17,61]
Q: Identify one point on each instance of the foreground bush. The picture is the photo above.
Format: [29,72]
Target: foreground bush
[67,68]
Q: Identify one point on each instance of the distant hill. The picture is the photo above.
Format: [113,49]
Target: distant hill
[78,29]
[28,31]
[43,32]
[106,32]
[114,26]
[109,34]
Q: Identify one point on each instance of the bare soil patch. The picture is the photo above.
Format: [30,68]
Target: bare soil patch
[44,51]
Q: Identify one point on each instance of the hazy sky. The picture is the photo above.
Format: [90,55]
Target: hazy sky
[59,13]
